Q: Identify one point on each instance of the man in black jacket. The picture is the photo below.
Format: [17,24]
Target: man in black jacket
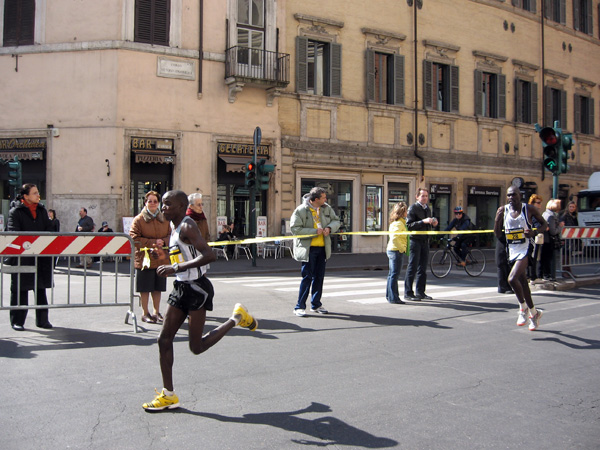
[418,219]
[85,225]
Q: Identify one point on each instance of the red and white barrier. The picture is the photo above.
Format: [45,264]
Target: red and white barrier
[65,245]
[580,232]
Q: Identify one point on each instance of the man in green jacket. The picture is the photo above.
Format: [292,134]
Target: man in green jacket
[313,217]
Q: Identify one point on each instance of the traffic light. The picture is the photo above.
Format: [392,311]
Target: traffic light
[565,146]
[264,170]
[551,145]
[250,174]
[15,173]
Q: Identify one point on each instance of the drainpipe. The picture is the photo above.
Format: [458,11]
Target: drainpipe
[416,109]
[200,47]
[542,9]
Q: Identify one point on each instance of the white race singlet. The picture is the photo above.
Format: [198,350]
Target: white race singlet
[180,252]
[514,228]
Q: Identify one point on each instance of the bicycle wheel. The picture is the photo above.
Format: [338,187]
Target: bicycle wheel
[440,263]
[475,262]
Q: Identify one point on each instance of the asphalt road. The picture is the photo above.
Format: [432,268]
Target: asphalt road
[451,373]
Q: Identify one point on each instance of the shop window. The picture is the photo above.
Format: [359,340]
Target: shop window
[556,107]
[373,208]
[490,95]
[152,21]
[555,10]
[318,67]
[440,86]
[526,101]
[582,16]
[19,22]
[385,78]
[584,114]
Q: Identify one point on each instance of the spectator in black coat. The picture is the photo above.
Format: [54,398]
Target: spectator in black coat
[28,214]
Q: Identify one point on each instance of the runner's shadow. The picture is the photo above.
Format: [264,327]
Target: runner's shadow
[587,344]
[384,320]
[324,431]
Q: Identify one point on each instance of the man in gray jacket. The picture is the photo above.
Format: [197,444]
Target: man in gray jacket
[316,218]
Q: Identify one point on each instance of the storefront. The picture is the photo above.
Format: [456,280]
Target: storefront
[482,204]
[233,197]
[152,161]
[30,151]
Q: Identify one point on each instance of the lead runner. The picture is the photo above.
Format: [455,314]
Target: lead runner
[192,296]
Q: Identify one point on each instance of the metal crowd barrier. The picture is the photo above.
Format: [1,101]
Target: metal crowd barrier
[107,282]
[580,252]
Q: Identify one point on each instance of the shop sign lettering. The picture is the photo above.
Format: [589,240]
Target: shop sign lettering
[22,144]
[231,148]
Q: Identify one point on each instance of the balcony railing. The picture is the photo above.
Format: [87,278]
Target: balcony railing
[257,66]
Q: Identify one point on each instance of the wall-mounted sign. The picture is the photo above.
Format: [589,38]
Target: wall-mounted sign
[153,150]
[232,148]
[440,189]
[489,191]
[139,143]
[22,143]
[176,68]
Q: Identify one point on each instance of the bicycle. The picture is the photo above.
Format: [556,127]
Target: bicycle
[441,261]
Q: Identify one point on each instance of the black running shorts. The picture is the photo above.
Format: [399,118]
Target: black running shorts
[192,295]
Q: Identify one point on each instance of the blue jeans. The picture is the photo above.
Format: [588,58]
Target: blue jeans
[395,258]
[417,266]
[313,273]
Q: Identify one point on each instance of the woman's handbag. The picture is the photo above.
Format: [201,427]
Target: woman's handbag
[556,241]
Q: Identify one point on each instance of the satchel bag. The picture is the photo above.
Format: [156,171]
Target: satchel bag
[556,241]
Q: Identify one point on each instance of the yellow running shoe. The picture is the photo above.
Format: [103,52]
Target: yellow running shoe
[162,401]
[246,321]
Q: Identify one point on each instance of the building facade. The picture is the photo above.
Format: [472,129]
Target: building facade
[103,101]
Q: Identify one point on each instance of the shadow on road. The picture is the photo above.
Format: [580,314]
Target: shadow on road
[586,344]
[325,431]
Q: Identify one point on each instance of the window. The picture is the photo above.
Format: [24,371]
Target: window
[152,21]
[490,95]
[556,107]
[19,22]
[555,10]
[584,114]
[582,16]
[527,5]
[440,86]
[318,67]
[526,101]
[385,78]
[250,31]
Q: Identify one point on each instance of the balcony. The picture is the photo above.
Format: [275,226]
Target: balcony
[257,68]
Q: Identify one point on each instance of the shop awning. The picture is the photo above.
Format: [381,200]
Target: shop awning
[235,163]
[23,156]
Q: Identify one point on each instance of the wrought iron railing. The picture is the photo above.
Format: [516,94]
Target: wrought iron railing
[257,64]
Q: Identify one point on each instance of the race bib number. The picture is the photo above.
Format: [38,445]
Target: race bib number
[175,255]
[515,236]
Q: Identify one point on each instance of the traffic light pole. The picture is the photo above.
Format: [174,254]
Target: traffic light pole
[252,193]
[555,186]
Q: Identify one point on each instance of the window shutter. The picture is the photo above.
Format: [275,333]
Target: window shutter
[532,6]
[301,65]
[19,22]
[589,18]
[398,80]
[518,84]
[161,22]
[428,84]
[454,93]
[576,24]
[502,96]
[591,116]
[577,108]
[563,110]
[534,102]
[516,2]
[478,92]
[336,70]
[143,21]
[563,12]
[370,63]
[548,107]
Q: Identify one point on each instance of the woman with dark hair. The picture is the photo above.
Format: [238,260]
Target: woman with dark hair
[150,229]
[54,221]
[27,214]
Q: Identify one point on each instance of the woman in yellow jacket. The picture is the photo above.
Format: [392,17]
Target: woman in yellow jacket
[396,248]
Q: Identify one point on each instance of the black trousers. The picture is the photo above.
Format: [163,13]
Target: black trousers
[503,269]
[17,317]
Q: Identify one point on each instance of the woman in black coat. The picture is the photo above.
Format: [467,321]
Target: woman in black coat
[28,214]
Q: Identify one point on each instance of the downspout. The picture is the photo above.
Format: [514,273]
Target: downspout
[200,47]
[543,9]
[416,109]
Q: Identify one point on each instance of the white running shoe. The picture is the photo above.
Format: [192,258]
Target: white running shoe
[319,310]
[300,312]
[523,315]
[534,322]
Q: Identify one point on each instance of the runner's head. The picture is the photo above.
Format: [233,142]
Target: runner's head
[174,205]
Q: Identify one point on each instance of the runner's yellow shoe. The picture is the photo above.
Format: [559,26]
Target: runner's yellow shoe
[246,321]
[162,401]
